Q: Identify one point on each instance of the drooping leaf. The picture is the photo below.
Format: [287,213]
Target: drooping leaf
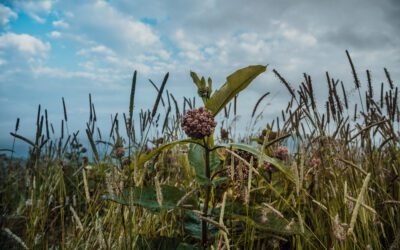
[235,83]
[264,220]
[197,161]
[272,223]
[145,157]
[147,197]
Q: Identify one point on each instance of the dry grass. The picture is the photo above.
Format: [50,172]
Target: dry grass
[339,189]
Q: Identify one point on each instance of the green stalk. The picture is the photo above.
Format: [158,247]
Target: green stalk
[207,198]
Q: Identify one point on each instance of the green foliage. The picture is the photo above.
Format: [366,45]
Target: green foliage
[341,176]
[192,226]
[162,243]
[147,156]
[264,219]
[279,165]
[235,83]
[197,161]
[147,197]
[203,90]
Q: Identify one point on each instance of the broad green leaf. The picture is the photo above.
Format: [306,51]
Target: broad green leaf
[197,161]
[147,197]
[145,157]
[192,226]
[218,181]
[264,220]
[235,83]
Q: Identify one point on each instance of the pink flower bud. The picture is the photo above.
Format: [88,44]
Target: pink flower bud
[119,152]
[198,123]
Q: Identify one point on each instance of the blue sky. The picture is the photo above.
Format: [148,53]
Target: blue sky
[55,49]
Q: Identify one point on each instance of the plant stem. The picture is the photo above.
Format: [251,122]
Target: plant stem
[207,198]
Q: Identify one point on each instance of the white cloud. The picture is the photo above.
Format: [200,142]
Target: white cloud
[99,76]
[106,25]
[294,35]
[127,65]
[24,43]
[109,37]
[61,73]
[164,54]
[2,61]
[37,18]
[99,49]
[55,34]
[35,8]
[189,50]
[6,14]
[254,44]
[212,38]
[60,24]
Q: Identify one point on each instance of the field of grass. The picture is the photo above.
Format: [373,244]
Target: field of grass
[151,183]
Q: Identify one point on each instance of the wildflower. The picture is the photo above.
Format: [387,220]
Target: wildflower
[315,162]
[274,244]
[271,136]
[339,229]
[126,162]
[85,160]
[264,214]
[119,152]
[28,202]
[224,134]
[241,169]
[281,153]
[269,167]
[198,123]
[289,226]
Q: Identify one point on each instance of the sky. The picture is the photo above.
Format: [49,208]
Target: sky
[55,49]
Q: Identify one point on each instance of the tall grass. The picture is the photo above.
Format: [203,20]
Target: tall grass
[339,189]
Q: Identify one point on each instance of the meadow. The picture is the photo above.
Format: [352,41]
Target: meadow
[171,178]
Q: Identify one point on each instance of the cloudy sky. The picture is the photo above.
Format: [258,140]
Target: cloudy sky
[54,49]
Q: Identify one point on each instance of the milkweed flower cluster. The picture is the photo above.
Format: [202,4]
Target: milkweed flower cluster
[315,162]
[119,152]
[198,123]
[241,170]
[281,153]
